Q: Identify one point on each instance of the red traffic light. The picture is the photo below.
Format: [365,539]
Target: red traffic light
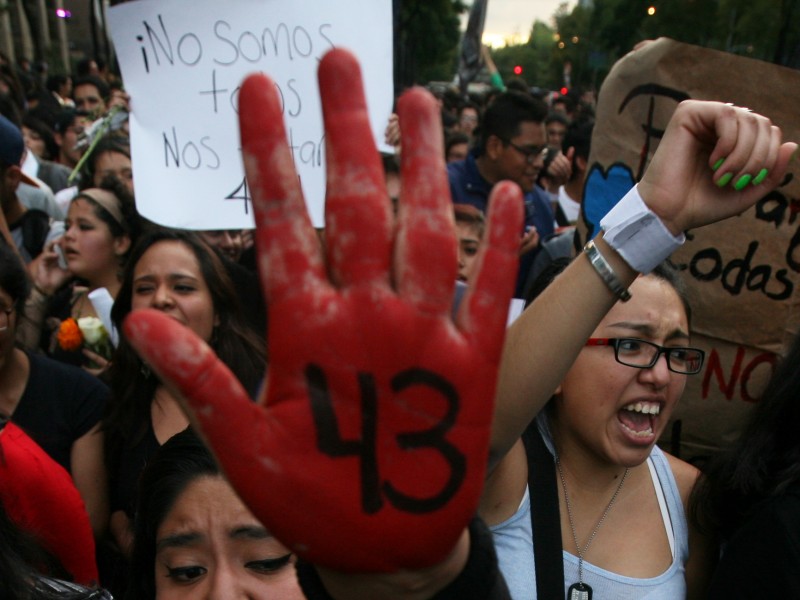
[564,91]
[517,70]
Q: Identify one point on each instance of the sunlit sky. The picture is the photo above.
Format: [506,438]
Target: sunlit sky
[510,21]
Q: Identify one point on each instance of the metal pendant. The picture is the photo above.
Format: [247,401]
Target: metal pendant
[579,591]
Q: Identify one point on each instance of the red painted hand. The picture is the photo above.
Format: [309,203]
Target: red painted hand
[368,449]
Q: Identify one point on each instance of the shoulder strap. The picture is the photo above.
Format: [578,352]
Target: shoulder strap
[545,516]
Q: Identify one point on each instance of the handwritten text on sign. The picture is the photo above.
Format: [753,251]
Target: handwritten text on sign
[183,62]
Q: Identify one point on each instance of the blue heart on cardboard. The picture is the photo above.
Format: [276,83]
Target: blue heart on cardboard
[603,190]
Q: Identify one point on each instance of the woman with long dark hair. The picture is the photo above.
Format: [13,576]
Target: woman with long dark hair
[177,273]
[193,534]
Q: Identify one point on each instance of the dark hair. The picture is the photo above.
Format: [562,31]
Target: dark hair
[450,99]
[546,277]
[453,139]
[16,91]
[102,86]
[181,460]
[66,118]
[44,131]
[23,562]
[518,84]
[578,136]
[390,163]
[15,570]
[506,113]
[83,67]
[449,120]
[54,82]
[132,224]
[469,215]
[664,271]
[469,104]
[237,346]
[108,143]
[47,112]
[567,101]
[13,276]
[556,117]
[762,463]
[667,273]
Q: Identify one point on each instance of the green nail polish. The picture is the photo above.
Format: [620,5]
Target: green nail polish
[718,164]
[724,180]
[742,182]
[762,175]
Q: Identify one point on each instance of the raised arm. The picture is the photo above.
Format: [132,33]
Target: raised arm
[683,189]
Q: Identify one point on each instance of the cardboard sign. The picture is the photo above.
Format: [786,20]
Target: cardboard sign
[743,273]
[183,62]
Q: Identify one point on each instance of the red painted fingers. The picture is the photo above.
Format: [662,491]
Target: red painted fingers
[358,221]
[290,259]
[485,309]
[425,254]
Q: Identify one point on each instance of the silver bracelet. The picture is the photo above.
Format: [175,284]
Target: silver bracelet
[601,266]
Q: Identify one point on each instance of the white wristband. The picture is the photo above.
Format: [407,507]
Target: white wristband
[606,273]
[637,234]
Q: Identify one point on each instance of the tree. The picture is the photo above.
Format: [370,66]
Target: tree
[743,30]
[573,43]
[517,55]
[535,57]
[592,38]
[614,27]
[427,34]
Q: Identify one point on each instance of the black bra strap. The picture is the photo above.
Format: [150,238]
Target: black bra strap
[545,516]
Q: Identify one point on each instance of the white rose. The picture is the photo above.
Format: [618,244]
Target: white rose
[92,330]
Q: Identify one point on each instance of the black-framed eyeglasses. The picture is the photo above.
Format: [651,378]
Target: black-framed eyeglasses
[5,317]
[531,153]
[642,354]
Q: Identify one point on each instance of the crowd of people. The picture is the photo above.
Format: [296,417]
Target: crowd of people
[539,141]
[443,455]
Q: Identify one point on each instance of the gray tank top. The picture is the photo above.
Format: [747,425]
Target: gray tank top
[513,541]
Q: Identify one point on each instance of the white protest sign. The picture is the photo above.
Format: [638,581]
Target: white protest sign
[183,61]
